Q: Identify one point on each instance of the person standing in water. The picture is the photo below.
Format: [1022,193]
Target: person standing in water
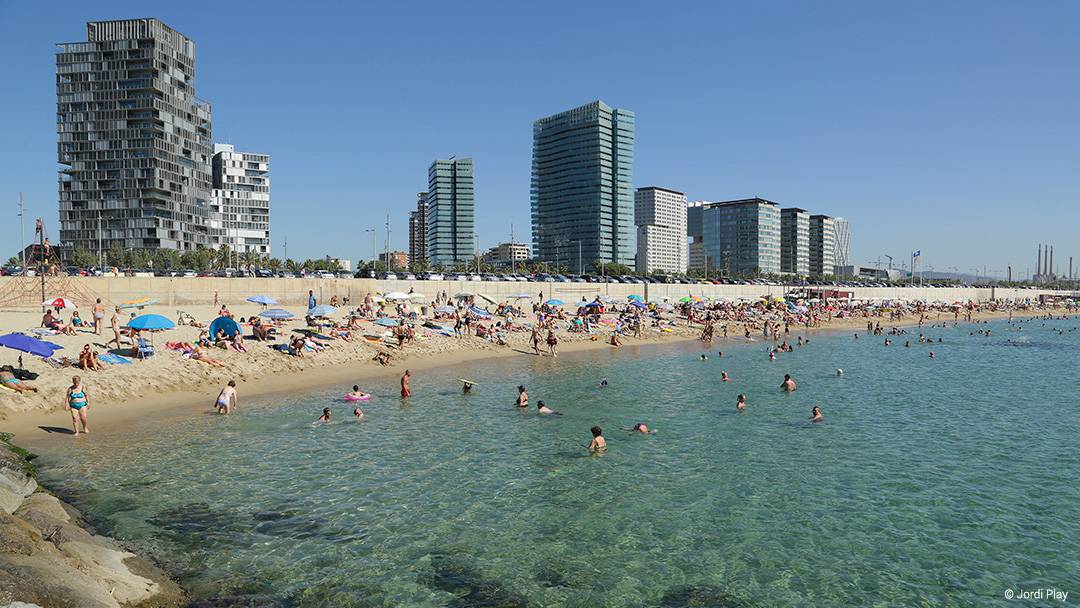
[788,384]
[466,387]
[598,443]
[77,402]
[741,403]
[815,414]
[226,399]
[325,416]
[405,391]
[543,409]
[522,398]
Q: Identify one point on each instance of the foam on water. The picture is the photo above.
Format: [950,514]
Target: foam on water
[931,482]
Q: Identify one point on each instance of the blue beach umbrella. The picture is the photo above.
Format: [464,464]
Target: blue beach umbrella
[555,302]
[635,298]
[480,312]
[150,322]
[638,303]
[29,344]
[387,322]
[276,313]
[592,305]
[321,310]
[264,300]
[226,324]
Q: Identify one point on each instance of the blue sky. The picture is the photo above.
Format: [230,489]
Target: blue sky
[947,127]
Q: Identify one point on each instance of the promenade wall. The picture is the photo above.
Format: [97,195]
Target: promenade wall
[178,291]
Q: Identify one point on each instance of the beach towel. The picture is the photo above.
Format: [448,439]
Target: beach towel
[41,331]
[114,359]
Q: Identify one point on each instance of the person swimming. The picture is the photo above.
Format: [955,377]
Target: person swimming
[357,413]
[356,392]
[598,443]
[741,403]
[788,384]
[466,387]
[603,383]
[641,428]
[704,357]
[839,372]
[772,356]
[815,414]
[325,416]
[720,354]
[543,409]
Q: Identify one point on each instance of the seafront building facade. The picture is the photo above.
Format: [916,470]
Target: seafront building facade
[506,254]
[795,241]
[418,232]
[240,201]
[742,236]
[695,234]
[134,140]
[842,249]
[581,194]
[451,213]
[660,216]
[822,245]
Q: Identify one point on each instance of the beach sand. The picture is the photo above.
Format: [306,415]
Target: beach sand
[168,382]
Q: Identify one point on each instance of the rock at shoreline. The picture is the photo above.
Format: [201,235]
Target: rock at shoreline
[48,559]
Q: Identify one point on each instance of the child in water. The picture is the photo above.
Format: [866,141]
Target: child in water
[358,413]
[598,443]
[325,416]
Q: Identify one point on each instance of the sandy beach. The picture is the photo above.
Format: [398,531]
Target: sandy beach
[167,381]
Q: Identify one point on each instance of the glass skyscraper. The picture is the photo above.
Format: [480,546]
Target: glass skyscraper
[451,212]
[582,198]
[743,236]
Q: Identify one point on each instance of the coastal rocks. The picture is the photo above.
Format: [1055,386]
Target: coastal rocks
[48,559]
[16,483]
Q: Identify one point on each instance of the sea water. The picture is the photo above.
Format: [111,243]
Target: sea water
[935,482]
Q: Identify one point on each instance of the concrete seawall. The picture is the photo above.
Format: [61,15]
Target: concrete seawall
[179,291]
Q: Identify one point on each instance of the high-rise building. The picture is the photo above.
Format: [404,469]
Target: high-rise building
[450,212]
[418,232]
[660,216]
[133,138]
[842,230]
[582,199]
[240,201]
[505,254]
[795,241]
[695,234]
[742,236]
[822,245]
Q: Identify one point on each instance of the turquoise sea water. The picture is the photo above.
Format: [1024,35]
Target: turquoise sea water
[931,482]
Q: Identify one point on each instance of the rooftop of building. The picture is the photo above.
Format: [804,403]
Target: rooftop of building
[794,210]
[743,201]
[643,188]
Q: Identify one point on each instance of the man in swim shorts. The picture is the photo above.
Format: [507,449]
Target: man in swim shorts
[788,384]
[405,391]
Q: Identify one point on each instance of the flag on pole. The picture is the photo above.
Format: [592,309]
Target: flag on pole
[917,254]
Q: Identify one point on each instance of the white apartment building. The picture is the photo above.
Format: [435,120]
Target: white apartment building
[240,201]
[660,216]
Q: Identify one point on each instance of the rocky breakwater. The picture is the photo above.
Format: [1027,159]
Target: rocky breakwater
[48,557]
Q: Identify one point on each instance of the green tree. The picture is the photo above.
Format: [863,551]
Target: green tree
[82,257]
[13,261]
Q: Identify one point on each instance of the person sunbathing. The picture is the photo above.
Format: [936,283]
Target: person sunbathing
[9,380]
[238,342]
[88,360]
[198,355]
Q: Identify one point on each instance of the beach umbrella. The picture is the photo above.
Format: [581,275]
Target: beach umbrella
[276,313]
[138,303]
[635,298]
[151,323]
[592,305]
[445,310]
[387,322]
[321,310]
[263,300]
[607,299]
[485,298]
[638,304]
[520,296]
[555,302]
[462,295]
[480,312]
[29,344]
[59,302]
[685,299]
[417,296]
[397,295]
[667,307]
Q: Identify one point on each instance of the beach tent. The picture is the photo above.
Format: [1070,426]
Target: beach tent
[29,344]
[276,313]
[226,324]
[263,300]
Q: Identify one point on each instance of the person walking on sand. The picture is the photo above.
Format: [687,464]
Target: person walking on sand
[553,343]
[114,323]
[77,401]
[227,398]
[311,302]
[405,392]
[788,384]
[99,316]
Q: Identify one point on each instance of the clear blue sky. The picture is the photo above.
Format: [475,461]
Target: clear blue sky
[950,127]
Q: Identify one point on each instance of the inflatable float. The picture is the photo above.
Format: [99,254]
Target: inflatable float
[352,397]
